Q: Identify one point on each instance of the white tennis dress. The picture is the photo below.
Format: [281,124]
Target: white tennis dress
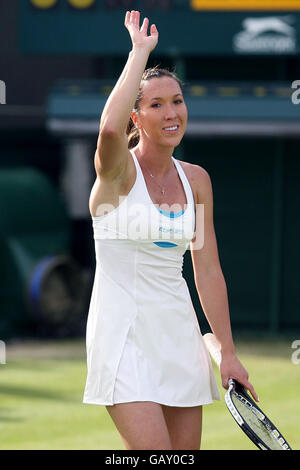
[143,338]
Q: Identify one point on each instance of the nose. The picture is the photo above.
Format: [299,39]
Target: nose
[170,112]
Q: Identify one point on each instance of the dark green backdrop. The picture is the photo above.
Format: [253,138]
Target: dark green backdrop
[256,198]
[99,30]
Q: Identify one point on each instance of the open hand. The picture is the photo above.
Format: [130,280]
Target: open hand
[139,35]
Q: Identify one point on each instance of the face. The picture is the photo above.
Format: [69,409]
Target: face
[162,114]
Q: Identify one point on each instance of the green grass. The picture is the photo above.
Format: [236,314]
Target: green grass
[41,388]
[277,382]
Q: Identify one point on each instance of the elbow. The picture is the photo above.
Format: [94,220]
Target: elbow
[110,127]
[108,132]
[107,135]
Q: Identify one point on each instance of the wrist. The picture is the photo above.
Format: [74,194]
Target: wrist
[141,50]
[227,355]
[228,349]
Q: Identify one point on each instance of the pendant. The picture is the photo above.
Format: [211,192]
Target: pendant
[163,191]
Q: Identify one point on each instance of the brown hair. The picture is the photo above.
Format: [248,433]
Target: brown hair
[154,72]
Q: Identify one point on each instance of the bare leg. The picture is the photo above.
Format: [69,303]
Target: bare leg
[185,426]
[141,425]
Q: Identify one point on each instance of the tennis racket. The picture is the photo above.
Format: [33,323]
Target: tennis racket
[245,411]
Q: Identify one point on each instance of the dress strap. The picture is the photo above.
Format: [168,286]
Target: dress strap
[136,162]
[185,182]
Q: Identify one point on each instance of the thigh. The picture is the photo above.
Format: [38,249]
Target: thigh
[141,425]
[185,426]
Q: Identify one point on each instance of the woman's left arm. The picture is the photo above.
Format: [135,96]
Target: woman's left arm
[210,282]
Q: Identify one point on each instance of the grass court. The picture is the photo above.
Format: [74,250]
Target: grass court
[41,388]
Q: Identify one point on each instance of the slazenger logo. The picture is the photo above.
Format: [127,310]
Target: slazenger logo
[264,35]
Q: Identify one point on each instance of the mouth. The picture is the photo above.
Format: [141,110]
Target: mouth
[171,129]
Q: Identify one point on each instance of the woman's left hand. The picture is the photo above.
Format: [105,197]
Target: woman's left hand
[231,368]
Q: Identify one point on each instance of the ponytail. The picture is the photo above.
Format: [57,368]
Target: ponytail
[132,134]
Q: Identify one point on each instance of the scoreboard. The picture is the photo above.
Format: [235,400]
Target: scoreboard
[186,27]
[245,4]
[170,4]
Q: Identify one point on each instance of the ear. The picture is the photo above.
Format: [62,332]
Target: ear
[135,118]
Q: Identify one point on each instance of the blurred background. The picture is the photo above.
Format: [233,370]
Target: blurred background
[240,62]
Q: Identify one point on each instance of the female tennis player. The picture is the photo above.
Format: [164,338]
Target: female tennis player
[147,362]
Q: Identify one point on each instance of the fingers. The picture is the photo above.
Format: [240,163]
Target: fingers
[153,30]
[252,391]
[139,36]
[132,18]
[225,381]
[136,18]
[248,386]
[245,383]
[127,17]
[144,26]
[231,368]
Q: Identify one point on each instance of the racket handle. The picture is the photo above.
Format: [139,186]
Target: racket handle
[213,347]
[231,383]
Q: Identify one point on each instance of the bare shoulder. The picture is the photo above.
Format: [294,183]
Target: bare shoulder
[199,180]
[195,172]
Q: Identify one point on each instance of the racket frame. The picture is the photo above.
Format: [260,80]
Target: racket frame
[235,388]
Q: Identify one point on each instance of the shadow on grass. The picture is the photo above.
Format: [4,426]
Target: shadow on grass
[29,392]
[283,352]
[7,415]
[261,345]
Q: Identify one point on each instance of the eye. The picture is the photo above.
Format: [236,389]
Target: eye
[155,105]
[178,101]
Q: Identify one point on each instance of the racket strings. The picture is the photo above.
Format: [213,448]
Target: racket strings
[257,422]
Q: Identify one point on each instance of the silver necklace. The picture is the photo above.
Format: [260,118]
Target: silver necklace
[162,189]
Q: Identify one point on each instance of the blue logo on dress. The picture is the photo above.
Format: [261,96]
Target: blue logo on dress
[172,215]
[165,244]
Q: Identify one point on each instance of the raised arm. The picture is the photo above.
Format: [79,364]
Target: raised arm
[112,148]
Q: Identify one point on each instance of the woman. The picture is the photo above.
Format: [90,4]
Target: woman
[146,357]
